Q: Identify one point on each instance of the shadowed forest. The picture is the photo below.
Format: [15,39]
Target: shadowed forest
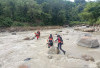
[48,12]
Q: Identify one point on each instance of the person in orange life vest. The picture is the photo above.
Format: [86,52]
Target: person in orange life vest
[60,42]
[37,35]
[50,42]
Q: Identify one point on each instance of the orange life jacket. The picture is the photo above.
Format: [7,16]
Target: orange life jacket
[50,38]
[36,34]
[59,40]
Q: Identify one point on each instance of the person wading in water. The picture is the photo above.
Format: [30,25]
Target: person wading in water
[60,43]
[50,42]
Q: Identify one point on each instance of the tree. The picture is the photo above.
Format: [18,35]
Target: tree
[48,12]
[80,1]
[91,13]
[1,9]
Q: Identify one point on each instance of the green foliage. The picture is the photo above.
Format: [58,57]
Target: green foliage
[19,24]
[76,23]
[42,24]
[79,23]
[80,1]
[5,22]
[98,21]
[48,12]
[91,12]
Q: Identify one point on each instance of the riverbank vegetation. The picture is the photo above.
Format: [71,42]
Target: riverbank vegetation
[48,12]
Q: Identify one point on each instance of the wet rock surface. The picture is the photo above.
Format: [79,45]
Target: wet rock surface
[88,42]
[89,30]
[87,58]
[27,38]
[27,59]
[13,33]
[53,50]
[50,57]
[98,64]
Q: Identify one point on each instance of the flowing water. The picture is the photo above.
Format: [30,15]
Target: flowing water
[14,50]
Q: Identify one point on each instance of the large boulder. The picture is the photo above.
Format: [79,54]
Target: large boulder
[88,42]
[89,30]
[53,50]
[97,29]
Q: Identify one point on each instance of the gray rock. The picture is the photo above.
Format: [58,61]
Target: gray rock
[89,30]
[87,58]
[53,50]
[0,66]
[85,34]
[89,35]
[27,59]
[27,38]
[67,39]
[60,31]
[65,25]
[50,57]
[88,42]
[80,28]
[3,31]
[13,33]
[98,64]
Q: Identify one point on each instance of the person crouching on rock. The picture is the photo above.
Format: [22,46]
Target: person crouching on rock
[60,43]
[37,35]
[50,42]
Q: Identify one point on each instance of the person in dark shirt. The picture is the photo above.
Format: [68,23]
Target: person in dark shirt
[50,42]
[60,43]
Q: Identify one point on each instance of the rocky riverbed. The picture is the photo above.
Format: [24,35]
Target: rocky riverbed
[14,51]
